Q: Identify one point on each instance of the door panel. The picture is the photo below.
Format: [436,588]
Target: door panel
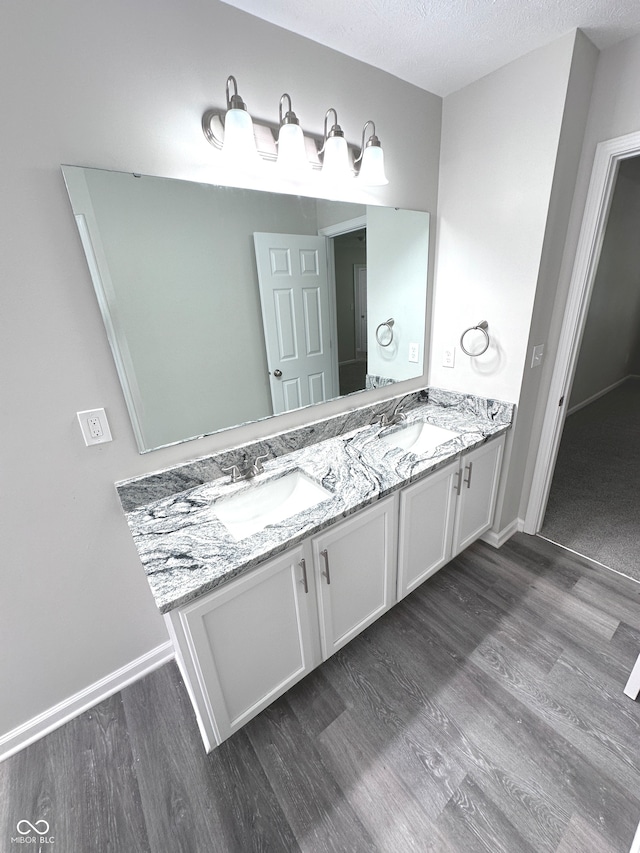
[317,392]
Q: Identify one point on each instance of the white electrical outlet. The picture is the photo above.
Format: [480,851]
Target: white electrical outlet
[448,357]
[537,355]
[414,353]
[94,426]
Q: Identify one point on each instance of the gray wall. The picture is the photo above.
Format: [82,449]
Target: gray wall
[122,86]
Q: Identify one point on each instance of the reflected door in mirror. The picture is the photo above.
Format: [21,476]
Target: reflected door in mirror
[294,292]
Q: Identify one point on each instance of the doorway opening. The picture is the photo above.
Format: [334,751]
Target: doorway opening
[590,505]
[350,265]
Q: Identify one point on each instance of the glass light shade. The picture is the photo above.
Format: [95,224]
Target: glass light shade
[372,167]
[335,165]
[239,142]
[292,155]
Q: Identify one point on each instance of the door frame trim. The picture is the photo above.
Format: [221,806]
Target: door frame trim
[344,227]
[608,156]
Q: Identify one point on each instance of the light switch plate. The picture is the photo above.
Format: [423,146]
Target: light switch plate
[414,353]
[94,426]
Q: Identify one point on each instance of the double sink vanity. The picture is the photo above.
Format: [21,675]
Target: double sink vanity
[267,558]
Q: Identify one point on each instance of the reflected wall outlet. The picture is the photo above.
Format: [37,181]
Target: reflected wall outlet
[94,426]
[414,353]
[448,356]
[536,357]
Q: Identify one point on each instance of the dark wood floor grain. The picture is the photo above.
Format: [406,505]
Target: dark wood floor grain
[483,713]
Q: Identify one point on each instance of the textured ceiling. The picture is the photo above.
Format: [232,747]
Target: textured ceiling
[443,45]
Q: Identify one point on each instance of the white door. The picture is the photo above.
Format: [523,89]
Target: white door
[294,292]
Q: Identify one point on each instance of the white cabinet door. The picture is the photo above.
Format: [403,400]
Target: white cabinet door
[427,511]
[355,565]
[478,491]
[244,645]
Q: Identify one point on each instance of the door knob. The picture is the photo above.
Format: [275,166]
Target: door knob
[277,373]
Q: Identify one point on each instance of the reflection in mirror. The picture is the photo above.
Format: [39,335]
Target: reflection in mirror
[224,306]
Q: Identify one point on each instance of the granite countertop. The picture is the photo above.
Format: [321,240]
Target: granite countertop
[186,551]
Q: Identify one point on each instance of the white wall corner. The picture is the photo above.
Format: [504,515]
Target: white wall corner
[497,538]
[74,705]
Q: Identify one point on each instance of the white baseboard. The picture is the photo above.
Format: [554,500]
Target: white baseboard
[497,538]
[72,706]
[599,394]
[635,844]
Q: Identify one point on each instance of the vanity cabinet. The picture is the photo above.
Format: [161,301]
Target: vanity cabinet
[243,645]
[444,513]
[355,567]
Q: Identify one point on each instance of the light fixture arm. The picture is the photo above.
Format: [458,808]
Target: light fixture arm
[336,130]
[289,117]
[234,102]
[372,140]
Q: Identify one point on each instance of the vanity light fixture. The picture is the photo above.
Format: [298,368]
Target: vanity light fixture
[335,153]
[292,153]
[371,160]
[246,144]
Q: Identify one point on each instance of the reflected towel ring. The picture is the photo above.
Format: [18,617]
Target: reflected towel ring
[481,327]
[389,325]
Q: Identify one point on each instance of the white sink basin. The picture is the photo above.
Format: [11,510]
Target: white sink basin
[270,502]
[419,437]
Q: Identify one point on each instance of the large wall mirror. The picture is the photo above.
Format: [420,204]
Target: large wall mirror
[224,306]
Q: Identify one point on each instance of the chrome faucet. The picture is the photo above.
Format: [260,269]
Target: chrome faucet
[397,415]
[247,473]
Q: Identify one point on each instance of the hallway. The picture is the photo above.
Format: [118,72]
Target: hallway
[594,504]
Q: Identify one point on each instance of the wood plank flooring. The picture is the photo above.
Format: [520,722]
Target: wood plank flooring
[483,713]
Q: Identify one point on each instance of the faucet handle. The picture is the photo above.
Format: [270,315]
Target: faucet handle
[257,465]
[234,471]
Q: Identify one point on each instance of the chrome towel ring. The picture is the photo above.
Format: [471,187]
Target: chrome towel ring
[483,327]
[388,324]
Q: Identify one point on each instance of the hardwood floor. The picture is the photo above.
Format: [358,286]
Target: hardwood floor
[483,713]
